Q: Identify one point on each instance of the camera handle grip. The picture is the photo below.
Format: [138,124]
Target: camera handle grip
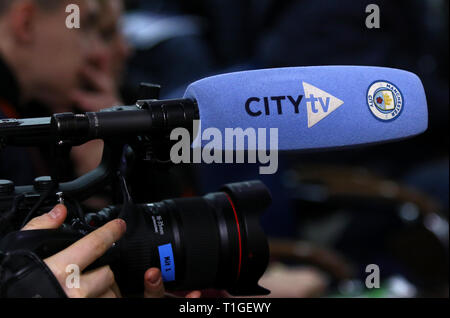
[45,243]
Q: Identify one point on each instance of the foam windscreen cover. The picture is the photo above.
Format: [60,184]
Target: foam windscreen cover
[316,107]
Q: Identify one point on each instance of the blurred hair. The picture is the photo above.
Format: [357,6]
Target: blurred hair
[45,4]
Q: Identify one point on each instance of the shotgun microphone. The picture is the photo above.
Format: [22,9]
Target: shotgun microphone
[315,107]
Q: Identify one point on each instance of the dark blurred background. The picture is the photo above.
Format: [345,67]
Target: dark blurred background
[386,204]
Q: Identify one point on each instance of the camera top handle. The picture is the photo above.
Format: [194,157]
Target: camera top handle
[145,126]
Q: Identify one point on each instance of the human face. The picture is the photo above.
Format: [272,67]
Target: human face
[57,54]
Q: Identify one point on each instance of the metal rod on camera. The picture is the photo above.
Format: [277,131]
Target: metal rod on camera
[147,117]
[24,132]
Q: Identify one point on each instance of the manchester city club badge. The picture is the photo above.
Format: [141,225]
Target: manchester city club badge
[385,100]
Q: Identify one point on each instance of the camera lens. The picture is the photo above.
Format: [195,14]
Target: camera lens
[215,241]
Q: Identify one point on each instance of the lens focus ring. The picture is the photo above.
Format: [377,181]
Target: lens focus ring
[201,242]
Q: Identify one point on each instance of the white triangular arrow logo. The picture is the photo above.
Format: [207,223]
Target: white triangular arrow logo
[320,104]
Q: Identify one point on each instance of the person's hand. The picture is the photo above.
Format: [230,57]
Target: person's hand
[154,287]
[93,284]
[100,282]
[87,157]
[294,282]
[103,93]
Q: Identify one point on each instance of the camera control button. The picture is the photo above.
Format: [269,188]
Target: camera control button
[6,187]
[42,184]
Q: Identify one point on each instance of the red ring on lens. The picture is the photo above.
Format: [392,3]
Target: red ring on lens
[239,234]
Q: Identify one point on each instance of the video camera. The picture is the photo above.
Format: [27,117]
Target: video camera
[214,241]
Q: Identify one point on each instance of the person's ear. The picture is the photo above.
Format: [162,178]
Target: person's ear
[23,21]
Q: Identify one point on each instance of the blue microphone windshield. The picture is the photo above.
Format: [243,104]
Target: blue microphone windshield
[315,107]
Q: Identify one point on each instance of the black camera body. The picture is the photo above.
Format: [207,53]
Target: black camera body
[214,241]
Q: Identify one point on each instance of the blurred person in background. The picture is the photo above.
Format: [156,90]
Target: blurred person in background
[41,60]
[85,75]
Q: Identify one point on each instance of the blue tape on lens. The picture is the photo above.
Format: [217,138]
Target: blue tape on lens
[167,262]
